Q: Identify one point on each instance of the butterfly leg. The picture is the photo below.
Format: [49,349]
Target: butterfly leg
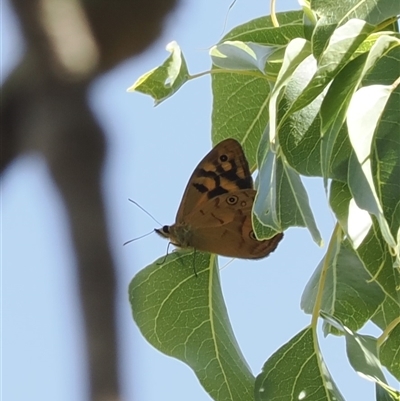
[166,255]
[194,263]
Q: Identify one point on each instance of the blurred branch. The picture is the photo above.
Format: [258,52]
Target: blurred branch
[44,109]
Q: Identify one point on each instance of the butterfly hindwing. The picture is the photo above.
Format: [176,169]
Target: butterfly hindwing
[223,226]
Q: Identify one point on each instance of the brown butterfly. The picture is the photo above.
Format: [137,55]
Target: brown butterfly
[215,212]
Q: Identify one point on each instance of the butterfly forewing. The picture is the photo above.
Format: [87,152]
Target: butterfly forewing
[222,170]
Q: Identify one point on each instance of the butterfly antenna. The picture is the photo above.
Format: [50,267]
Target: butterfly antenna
[135,239]
[144,210]
[227,14]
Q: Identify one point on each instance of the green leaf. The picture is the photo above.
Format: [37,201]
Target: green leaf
[376,258]
[236,55]
[386,393]
[261,30]
[381,51]
[365,111]
[354,221]
[296,51]
[296,372]
[333,114]
[386,162]
[342,44]
[339,162]
[347,295]
[373,11]
[299,132]
[281,200]
[336,102]
[333,13]
[362,352]
[390,352]
[372,250]
[240,100]
[162,82]
[185,316]
[266,204]
[387,312]
[363,355]
[230,119]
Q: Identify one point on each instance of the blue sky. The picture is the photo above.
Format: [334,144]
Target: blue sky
[41,321]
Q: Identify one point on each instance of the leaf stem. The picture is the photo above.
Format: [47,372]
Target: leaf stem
[274,20]
[227,71]
[396,83]
[387,331]
[321,284]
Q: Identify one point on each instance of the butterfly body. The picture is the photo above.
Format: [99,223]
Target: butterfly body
[215,211]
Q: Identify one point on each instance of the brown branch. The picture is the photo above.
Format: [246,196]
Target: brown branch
[44,109]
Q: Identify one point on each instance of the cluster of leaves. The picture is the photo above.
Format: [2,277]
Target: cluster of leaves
[316,95]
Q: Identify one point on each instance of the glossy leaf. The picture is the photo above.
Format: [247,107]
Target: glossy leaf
[185,316]
[365,110]
[336,102]
[390,352]
[236,55]
[240,100]
[281,199]
[354,221]
[362,352]
[162,82]
[347,295]
[299,132]
[341,47]
[262,30]
[373,11]
[371,249]
[333,117]
[295,372]
[333,13]
[296,51]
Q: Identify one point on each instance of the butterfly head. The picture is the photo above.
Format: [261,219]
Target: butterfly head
[163,231]
[178,234]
